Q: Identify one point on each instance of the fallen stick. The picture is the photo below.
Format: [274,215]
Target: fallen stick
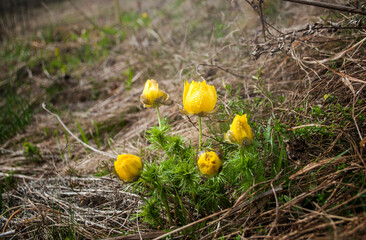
[113,156]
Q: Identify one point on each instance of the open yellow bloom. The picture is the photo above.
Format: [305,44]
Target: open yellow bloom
[152,95]
[199,98]
[209,163]
[128,167]
[240,131]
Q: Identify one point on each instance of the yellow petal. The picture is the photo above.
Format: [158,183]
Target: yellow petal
[186,89]
[209,163]
[193,98]
[147,87]
[199,97]
[210,98]
[241,129]
[128,167]
[152,92]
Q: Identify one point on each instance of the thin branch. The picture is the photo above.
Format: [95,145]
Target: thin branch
[75,137]
[332,6]
[262,19]
[221,68]
[7,234]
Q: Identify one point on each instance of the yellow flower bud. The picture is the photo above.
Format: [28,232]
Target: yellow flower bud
[209,163]
[144,15]
[128,167]
[240,131]
[199,98]
[152,95]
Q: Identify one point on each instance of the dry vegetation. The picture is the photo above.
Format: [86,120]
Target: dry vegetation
[305,85]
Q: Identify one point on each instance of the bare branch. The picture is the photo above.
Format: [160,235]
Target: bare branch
[76,138]
[332,6]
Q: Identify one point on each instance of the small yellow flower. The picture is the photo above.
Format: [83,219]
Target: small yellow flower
[240,131]
[209,163]
[152,95]
[144,15]
[128,167]
[199,98]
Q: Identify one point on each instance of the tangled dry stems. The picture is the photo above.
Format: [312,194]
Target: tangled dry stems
[91,207]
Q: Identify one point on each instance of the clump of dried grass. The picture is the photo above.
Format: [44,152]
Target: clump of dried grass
[97,207]
[81,207]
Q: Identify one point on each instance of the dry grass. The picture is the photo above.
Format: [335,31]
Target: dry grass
[320,196]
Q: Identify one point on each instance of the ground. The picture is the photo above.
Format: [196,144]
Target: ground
[301,83]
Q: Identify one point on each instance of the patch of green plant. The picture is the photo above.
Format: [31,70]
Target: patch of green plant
[128,74]
[104,130]
[13,52]
[96,135]
[51,34]
[134,20]
[8,183]
[221,30]
[272,9]
[32,153]
[103,171]
[324,119]
[85,139]
[173,188]
[66,230]
[15,114]
[64,60]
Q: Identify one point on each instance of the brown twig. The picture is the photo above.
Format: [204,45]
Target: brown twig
[332,6]
[221,68]
[11,216]
[262,19]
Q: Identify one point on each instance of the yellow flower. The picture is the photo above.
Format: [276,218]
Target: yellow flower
[128,167]
[240,131]
[209,163]
[144,15]
[199,98]
[152,95]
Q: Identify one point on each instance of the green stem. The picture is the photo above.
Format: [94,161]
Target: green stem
[166,205]
[158,187]
[241,150]
[157,109]
[200,129]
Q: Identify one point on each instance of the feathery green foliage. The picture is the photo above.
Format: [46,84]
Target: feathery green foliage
[171,182]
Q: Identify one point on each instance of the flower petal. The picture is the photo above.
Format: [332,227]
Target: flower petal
[147,87]
[186,89]
[128,167]
[209,163]
[210,98]
[241,132]
[199,98]
[152,95]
